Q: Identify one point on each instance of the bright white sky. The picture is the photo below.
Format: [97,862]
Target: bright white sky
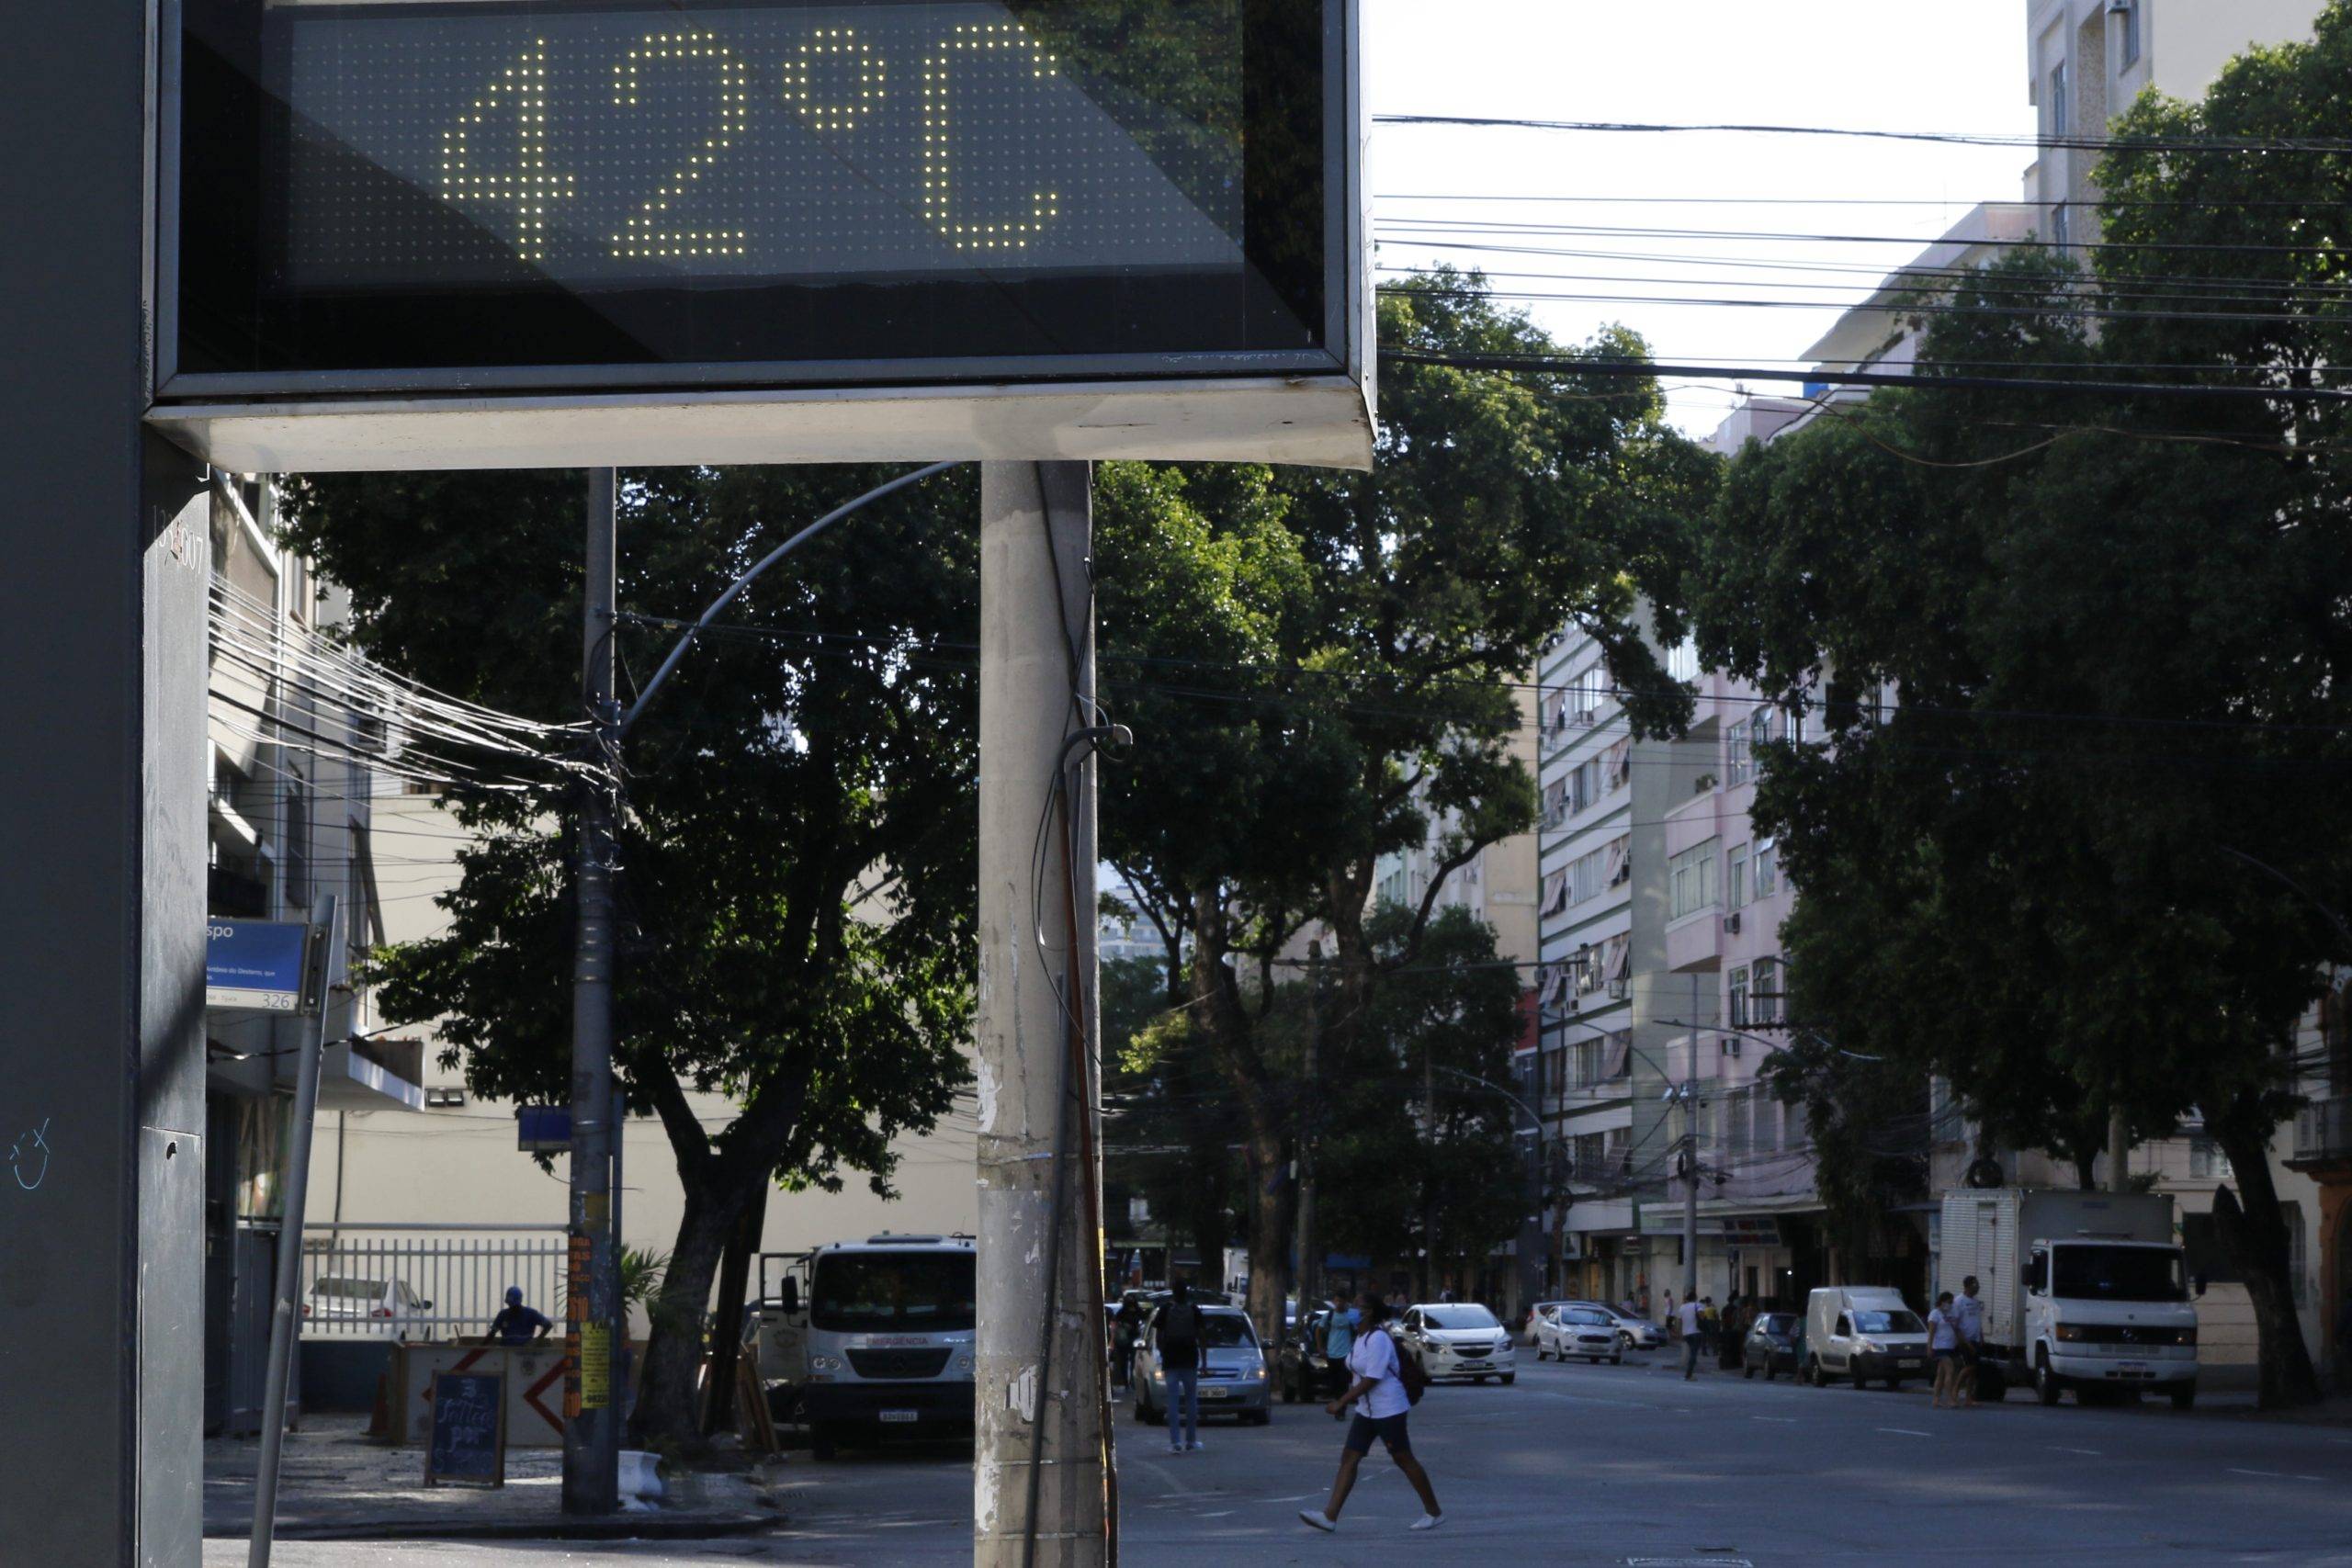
[1874,64]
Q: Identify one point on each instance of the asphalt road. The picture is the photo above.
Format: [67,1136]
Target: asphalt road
[1610,1465]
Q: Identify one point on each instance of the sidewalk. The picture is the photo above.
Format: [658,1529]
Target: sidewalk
[334,1483]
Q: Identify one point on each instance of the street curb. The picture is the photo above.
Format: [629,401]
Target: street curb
[620,1526]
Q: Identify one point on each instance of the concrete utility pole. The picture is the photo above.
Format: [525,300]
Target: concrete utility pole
[1310,1270]
[1041,1467]
[102,928]
[592,1418]
[2118,1151]
[1691,1154]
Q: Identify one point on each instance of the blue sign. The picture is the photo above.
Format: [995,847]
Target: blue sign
[254,964]
[543,1129]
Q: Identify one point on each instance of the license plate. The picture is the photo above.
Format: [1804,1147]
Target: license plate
[1912,1362]
[2136,1369]
[1216,1394]
[900,1416]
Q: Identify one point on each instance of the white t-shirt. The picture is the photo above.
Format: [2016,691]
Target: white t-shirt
[1374,1356]
[1689,1312]
[1942,1334]
[1968,1317]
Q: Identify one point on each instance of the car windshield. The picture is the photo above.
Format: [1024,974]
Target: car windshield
[1459,1317]
[1226,1331]
[349,1289]
[1589,1318]
[1866,1321]
[867,1292]
[1777,1323]
[2117,1274]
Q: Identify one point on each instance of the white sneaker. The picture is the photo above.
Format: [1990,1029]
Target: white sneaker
[1428,1521]
[1317,1518]
[1196,1445]
[1175,1447]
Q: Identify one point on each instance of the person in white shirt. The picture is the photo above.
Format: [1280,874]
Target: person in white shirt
[1943,1346]
[1968,1322]
[1692,1337]
[1381,1403]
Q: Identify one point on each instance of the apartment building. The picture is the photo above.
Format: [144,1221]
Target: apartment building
[293,738]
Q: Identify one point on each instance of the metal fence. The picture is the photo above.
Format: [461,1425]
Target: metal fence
[425,1281]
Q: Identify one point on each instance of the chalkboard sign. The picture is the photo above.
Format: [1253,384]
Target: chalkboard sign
[469,1442]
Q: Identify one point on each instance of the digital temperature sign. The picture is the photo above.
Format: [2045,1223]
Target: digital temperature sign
[418,194]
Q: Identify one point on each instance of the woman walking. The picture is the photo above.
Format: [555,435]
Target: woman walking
[1381,1403]
[1944,1346]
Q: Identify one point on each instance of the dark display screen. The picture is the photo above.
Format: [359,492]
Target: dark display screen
[475,185]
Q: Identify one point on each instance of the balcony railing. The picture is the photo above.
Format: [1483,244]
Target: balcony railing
[2323,1129]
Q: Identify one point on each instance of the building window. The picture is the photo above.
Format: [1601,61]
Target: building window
[2207,1162]
[298,846]
[1692,884]
[1682,661]
[1764,1000]
[1768,867]
[1735,880]
[1739,998]
[1738,764]
[2129,46]
[2057,116]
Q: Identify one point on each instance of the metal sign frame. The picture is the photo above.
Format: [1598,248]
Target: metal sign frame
[1313,408]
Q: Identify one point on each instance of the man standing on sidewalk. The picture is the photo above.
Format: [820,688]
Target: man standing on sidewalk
[1691,1337]
[1968,1318]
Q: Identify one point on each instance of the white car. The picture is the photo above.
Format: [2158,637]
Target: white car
[1586,1333]
[1641,1334]
[345,1303]
[1458,1339]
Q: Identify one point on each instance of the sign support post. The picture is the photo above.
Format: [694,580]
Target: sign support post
[321,973]
[1040,1473]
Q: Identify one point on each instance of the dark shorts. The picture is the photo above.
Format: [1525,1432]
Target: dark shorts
[1389,1429]
[1946,1355]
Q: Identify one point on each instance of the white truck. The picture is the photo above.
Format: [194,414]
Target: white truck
[865,1339]
[2087,1290]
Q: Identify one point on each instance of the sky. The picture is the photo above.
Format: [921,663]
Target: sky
[1876,64]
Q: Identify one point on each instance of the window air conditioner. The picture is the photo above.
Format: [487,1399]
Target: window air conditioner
[1731,923]
[1617,990]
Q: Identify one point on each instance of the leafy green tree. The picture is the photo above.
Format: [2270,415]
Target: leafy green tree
[2111,630]
[1332,661]
[796,855]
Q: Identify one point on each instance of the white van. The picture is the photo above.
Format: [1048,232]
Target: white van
[1863,1331]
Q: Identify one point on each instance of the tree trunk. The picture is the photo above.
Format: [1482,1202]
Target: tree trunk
[668,1403]
[1271,1192]
[2253,1231]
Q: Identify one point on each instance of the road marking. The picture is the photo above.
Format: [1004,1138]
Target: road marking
[1787,1420]
[2273,1474]
[1905,1432]
[1220,1514]
[2057,1449]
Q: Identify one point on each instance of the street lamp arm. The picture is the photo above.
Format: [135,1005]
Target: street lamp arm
[773,556]
[2276,874]
[1506,1094]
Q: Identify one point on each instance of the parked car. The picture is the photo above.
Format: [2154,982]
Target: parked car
[1537,1313]
[1234,1379]
[1582,1331]
[350,1303]
[1772,1344]
[1641,1334]
[1863,1331]
[1458,1339]
[1304,1372]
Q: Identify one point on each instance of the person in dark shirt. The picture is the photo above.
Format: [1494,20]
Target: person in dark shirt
[1177,1332]
[516,1325]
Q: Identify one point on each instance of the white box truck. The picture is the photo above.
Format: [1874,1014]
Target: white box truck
[2087,1290]
[867,1339]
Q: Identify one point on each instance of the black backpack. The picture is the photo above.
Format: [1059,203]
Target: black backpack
[1180,1327]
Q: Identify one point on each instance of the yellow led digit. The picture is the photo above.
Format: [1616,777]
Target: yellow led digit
[648,234]
[521,91]
[800,81]
[938,114]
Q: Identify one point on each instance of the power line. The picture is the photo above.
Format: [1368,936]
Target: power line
[2035,140]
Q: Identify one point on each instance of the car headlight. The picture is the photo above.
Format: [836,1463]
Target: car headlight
[1503,1346]
[1156,1375]
[2068,1331]
[1259,1372]
[1869,1347]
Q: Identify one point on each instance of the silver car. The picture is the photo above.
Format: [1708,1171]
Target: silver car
[1234,1378]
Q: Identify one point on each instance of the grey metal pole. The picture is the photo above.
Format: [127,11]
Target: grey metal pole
[624,1364]
[1310,1271]
[591,1429]
[1691,1152]
[325,967]
[1036,957]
